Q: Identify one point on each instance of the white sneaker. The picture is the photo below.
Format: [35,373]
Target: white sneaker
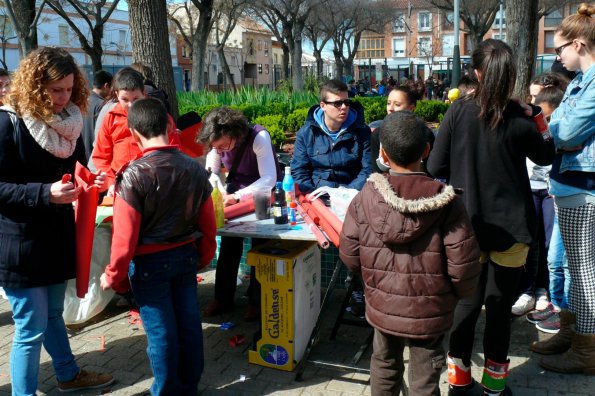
[541,299]
[524,304]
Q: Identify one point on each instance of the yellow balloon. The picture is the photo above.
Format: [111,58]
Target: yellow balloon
[453,94]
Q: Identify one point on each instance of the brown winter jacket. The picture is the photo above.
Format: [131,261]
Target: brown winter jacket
[412,241]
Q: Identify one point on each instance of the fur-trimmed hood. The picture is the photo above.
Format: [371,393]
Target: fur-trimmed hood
[404,206]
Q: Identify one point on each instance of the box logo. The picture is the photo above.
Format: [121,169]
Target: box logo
[274,354]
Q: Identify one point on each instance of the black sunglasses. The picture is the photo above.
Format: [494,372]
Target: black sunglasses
[558,50]
[338,103]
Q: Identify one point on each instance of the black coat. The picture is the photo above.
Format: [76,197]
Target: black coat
[37,246]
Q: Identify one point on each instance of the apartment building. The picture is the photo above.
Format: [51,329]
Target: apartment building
[420,41]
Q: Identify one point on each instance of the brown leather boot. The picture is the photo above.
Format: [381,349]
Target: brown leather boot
[560,342]
[580,358]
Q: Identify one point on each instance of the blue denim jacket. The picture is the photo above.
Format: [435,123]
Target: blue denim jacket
[573,124]
[318,160]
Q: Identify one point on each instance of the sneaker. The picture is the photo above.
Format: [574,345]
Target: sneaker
[357,305]
[86,380]
[550,325]
[538,316]
[541,301]
[524,304]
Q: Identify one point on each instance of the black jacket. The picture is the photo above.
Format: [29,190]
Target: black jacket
[490,166]
[37,246]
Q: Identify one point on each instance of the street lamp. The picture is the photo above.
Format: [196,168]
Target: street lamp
[456,56]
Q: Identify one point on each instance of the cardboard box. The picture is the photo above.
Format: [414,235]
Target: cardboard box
[289,275]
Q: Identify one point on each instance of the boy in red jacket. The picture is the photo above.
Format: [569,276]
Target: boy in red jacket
[412,241]
[164,230]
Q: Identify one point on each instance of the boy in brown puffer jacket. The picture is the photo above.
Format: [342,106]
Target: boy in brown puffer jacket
[412,241]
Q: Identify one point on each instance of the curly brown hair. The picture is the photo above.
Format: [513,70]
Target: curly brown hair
[28,94]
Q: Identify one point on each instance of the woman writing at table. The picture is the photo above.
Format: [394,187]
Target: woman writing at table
[247,153]
[40,128]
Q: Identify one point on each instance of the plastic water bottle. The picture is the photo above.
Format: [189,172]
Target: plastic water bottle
[218,205]
[288,186]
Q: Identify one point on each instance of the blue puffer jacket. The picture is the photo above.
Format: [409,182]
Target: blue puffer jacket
[320,161]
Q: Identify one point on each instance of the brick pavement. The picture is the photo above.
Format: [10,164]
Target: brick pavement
[125,358]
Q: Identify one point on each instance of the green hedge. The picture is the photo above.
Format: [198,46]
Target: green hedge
[286,112]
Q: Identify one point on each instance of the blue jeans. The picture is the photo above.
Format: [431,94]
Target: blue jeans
[558,266]
[165,289]
[37,314]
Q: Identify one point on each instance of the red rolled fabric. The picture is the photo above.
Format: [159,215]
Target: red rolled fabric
[322,241]
[239,209]
[307,206]
[84,218]
[326,214]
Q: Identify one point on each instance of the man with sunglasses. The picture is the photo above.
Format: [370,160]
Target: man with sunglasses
[333,147]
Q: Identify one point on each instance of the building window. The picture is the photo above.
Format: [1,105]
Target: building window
[234,60]
[424,21]
[122,38]
[371,48]
[399,23]
[398,47]
[276,59]
[498,19]
[260,68]
[448,19]
[259,48]
[496,35]
[266,48]
[185,51]
[448,41]
[553,19]
[266,68]
[425,45]
[63,35]
[549,39]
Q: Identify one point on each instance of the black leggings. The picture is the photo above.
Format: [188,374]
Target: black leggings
[228,263]
[497,290]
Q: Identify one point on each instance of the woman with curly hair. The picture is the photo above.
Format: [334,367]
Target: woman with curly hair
[40,142]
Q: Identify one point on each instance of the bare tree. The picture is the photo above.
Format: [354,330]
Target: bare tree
[355,17]
[522,25]
[226,15]
[319,31]
[150,43]
[6,34]
[94,14]
[24,17]
[194,20]
[477,15]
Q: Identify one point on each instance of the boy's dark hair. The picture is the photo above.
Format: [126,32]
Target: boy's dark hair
[101,78]
[148,117]
[223,121]
[128,79]
[466,83]
[551,79]
[4,73]
[403,137]
[551,95]
[333,86]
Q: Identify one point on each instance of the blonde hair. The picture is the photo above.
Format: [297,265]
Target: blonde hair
[580,25]
[28,94]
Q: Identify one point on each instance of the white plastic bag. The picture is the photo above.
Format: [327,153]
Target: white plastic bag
[79,310]
[340,198]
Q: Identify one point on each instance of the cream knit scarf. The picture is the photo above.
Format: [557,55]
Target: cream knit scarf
[59,136]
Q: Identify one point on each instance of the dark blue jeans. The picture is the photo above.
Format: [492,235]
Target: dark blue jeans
[165,289]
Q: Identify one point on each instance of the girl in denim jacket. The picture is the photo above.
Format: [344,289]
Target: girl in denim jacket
[573,185]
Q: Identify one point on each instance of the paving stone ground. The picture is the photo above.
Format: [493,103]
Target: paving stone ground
[225,367]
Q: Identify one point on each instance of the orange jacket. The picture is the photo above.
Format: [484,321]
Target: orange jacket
[115,146]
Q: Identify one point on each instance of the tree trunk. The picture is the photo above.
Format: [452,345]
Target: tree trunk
[296,58]
[24,13]
[522,26]
[226,71]
[150,43]
[319,64]
[199,46]
[339,66]
[285,60]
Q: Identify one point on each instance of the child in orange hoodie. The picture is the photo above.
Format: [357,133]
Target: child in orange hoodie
[115,146]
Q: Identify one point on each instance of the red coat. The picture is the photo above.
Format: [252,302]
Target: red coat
[115,146]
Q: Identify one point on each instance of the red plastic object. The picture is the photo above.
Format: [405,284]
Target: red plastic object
[239,209]
[325,213]
[237,340]
[84,219]
[66,178]
[322,241]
